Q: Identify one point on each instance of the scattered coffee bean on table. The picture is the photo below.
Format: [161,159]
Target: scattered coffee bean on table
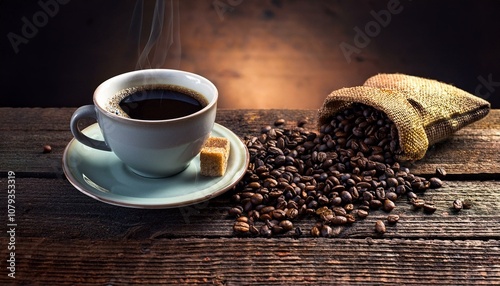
[440,172]
[466,204]
[393,218]
[47,149]
[435,183]
[279,122]
[458,205]
[429,208]
[301,122]
[380,227]
[337,176]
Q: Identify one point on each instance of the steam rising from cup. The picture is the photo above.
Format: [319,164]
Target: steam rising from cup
[163,47]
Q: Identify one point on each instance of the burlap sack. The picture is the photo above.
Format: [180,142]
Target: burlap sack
[425,111]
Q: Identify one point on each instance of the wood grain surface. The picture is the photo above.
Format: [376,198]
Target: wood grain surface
[64,237]
[472,152]
[257,261]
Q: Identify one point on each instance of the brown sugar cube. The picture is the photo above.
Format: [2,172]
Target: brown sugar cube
[214,156]
[213,162]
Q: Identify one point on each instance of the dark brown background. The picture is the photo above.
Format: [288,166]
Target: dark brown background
[260,54]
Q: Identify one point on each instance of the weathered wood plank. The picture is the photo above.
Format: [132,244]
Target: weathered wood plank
[471,151]
[255,261]
[52,208]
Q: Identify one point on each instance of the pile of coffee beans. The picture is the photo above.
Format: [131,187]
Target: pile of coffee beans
[337,176]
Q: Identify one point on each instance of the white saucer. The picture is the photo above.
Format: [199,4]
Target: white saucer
[102,176]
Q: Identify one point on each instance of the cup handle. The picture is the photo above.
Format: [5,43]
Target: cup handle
[86,111]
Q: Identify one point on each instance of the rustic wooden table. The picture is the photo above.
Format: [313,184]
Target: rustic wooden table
[62,236]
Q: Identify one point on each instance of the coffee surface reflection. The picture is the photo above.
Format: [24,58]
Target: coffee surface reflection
[159,102]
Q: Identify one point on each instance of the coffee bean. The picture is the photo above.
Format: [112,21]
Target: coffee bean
[241,227]
[367,196]
[254,215]
[301,122]
[350,218]
[338,220]
[236,198]
[418,203]
[400,189]
[242,219]
[458,205]
[389,205]
[362,213]
[380,227]
[411,195]
[380,193]
[47,149]
[429,208]
[346,197]
[393,218]
[279,214]
[292,213]
[254,185]
[364,207]
[349,207]
[336,176]
[265,217]
[267,209]
[440,173]
[247,206]
[286,225]
[265,231]
[467,204]
[276,229]
[375,204]
[339,211]
[279,122]
[392,182]
[256,199]
[315,232]
[236,211]
[435,183]
[254,229]
[337,201]
[326,231]
[391,196]
[266,129]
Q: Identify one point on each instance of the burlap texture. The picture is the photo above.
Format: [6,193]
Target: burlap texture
[425,111]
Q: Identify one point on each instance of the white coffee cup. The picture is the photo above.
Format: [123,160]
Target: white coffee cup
[150,148]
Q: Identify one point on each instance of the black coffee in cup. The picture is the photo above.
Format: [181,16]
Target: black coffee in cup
[158,102]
